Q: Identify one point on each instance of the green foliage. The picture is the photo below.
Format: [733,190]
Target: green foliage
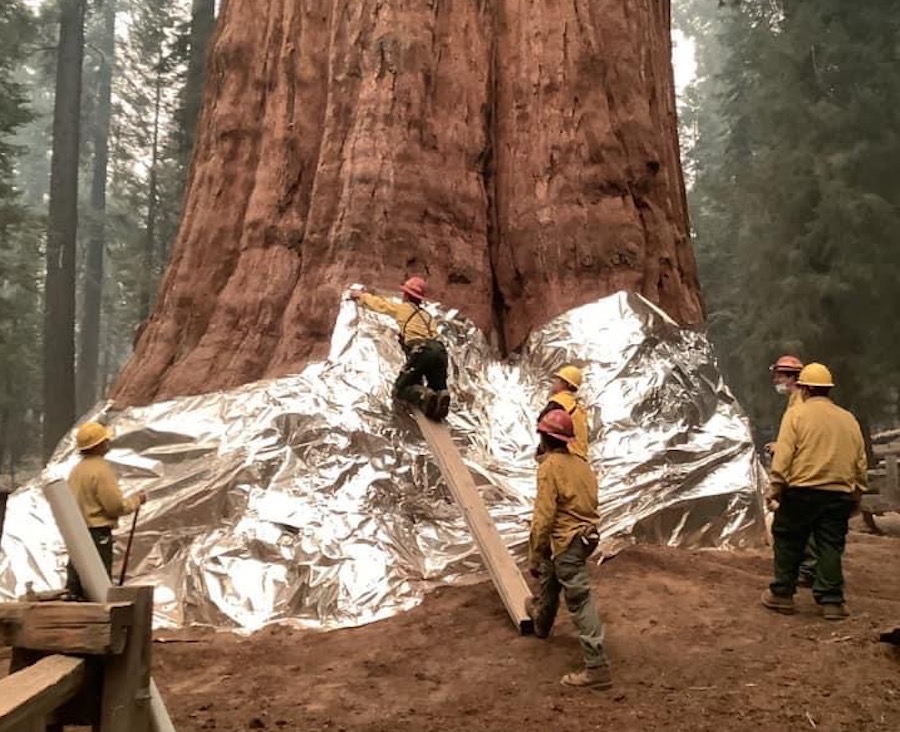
[20,256]
[145,179]
[792,125]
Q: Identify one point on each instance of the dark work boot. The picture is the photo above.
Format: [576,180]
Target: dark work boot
[835,611]
[777,603]
[531,611]
[429,404]
[442,405]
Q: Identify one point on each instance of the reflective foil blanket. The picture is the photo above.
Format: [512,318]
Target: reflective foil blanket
[312,498]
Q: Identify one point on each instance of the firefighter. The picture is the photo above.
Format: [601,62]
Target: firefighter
[426,356]
[818,477]
[563,395]
[563,536]
[99,498]
[785,372]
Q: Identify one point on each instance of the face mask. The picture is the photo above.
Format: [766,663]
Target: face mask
[781,389]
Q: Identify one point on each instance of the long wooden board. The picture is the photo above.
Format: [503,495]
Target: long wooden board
[30,695]
[507,578]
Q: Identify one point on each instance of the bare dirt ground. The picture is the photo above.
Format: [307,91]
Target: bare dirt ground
[690,646]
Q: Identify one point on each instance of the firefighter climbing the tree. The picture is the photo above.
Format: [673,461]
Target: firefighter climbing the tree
[785,372]
[563,536]
[426,356]
[563,395]
[99,498]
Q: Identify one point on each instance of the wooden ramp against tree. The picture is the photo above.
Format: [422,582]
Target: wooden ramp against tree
[506,575]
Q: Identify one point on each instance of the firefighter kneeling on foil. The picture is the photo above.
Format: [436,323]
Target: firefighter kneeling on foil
[426,356]
[563,536]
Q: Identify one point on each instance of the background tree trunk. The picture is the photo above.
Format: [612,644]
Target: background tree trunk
[203,22]
[88,353]
[523,156]
[59,288]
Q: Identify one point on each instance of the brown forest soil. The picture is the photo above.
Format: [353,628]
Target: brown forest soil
[691,650]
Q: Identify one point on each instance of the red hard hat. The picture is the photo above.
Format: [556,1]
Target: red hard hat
[791,364]
[414,287]
[558,423]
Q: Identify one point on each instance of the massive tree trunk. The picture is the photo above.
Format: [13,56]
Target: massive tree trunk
[521,155]
[89,351]
[59,283]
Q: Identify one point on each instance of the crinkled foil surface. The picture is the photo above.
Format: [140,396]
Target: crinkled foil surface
[313,499]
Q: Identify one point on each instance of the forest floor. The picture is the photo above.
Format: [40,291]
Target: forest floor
[690,646]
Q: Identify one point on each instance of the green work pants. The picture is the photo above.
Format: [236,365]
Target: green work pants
[103,540]
[824,515]
[567,573]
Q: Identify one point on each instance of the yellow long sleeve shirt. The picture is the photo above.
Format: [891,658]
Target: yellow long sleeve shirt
[568,401]
[819,446]
[565,505]
[96,490]
[415,323]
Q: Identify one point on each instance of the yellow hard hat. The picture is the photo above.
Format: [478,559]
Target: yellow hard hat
[815,374]
[91,434]
[571,375]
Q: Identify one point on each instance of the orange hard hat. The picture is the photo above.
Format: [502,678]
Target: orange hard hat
[558,423]
[414,287]
[790,364]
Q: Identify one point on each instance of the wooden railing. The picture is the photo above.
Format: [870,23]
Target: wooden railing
[884,484]
[78,663]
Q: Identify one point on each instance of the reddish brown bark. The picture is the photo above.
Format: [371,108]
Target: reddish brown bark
[521,154]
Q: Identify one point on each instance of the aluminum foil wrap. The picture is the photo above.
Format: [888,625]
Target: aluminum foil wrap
[312,498]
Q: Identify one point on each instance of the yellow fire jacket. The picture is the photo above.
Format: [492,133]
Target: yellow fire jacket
[96,490]
[415,323]
[819,446]
[565,506]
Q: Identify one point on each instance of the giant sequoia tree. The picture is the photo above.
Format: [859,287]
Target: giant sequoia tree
[522,155]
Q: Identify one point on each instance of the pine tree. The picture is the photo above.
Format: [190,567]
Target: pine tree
[795,201]
[59,284]
[20,243]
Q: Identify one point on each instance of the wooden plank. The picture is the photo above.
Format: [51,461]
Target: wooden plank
[890,489]
[125,706]
[29,696]
[507,578]
[65,627]
[891,448]
[83,709]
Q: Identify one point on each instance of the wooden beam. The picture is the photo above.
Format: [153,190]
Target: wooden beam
[890,489]
[65,627]
[125,706]
[507,578]
[29,696]
[891,448]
